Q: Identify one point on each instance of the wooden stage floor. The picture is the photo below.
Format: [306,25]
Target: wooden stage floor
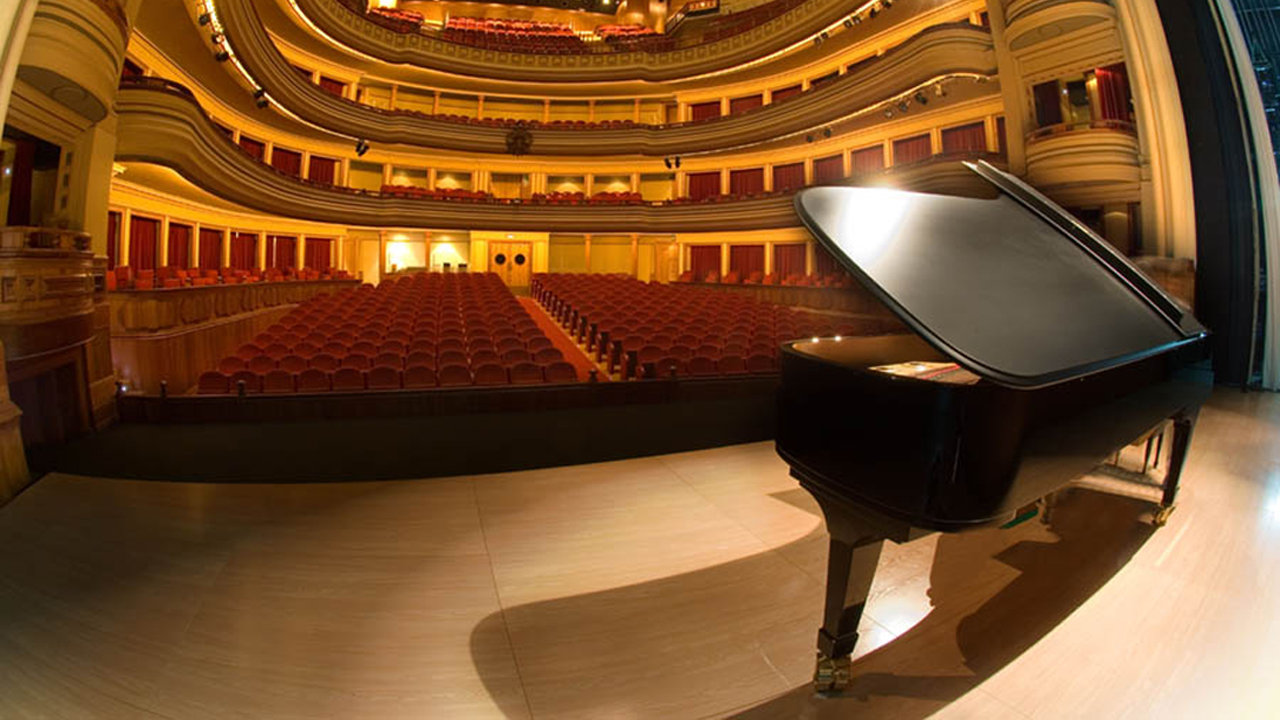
[679,586]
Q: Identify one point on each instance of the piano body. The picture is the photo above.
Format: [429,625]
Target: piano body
[1036,352]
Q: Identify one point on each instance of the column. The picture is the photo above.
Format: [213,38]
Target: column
[809,247]
[767,97]
[262,250]
[724,106]
[591,110]
[808,171]
[546,110]
[429,239]
[394,96]
[126,226]
[635,254]
[635,182]
[768,177]
[846,158]
[724,181]
[306,164]
[586,250]
[268,150]
[680,252]
[588,184]
[226,248]
[681,191]
[635,116]
[431,178]
[386,173]
[724,259]
[435,104]
[682,111]
[193,247]
[300,252]
[345,180]
[935,139]
[162,243]
[382,254]
[480,107]
[768,257]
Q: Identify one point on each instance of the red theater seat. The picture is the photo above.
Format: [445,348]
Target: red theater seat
[213,383]
[419,377]
[348,379]
[252,382]
[454,376]
[526,374]
[391,360]
[702,365]
[292,364]
[385,378]
[732,365]
[561,372]
[261,364]
[760,364]
[491,374]
[357,362]
[231,365]
[277,381]
[313,380]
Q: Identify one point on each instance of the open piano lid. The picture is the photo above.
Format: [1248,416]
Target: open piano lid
[1014,289]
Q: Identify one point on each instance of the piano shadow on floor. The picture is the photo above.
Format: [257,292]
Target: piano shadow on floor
[737,639]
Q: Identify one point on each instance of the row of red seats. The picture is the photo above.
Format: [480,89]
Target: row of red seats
[835,280]
[435,193]
[126,278]
[401,21]
[580,198]
[608,32]
[449,324]
[727,25]
[623,320]
[315,380]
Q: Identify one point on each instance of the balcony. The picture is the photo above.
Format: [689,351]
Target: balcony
[1086,164]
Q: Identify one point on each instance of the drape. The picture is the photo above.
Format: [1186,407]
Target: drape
[113,239]
[788,260]
[788,177]
[824,263]
[287,161]
[179,246]
[828,169]
[912,149]
[319,254]
[282,252]
[143,234]
[746,259]
[335,87]
[210,257]
[1113,93]
[704,185]
[743,104]
[704,259]
[253,147]
[704,111]
[745,182]
[1002,140]
[1048,103]
[867,160]
[322,170]
[244,251]
[965,138]
[20,179]
[783,93]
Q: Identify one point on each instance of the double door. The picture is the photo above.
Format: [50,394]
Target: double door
[511,261]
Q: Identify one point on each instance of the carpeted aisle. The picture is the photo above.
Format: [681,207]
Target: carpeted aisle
[572,354]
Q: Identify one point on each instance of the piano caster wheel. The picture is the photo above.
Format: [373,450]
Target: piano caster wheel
[1161,515]
[832,675]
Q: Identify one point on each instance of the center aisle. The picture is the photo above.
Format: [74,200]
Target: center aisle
[572,353]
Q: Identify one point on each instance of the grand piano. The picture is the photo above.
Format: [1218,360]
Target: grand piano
[1035,352]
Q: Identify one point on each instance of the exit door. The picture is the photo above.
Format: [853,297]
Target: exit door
[511,260]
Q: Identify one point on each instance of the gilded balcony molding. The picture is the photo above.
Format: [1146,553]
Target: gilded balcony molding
[1098,164]
[947,50]
[167,127]
[357,32]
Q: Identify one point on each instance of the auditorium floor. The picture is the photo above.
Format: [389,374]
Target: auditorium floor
[679,586]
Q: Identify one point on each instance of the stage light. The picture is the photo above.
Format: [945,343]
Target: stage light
[808,138]
[222,56]
[920,98]
[677,161]
[857,19]
[826,132]
[873,12]
[937,90]
[902,106]
[362,147]
[215,38]
[667,161]
[205,18]
[848,23]
[259,94]
[888,112]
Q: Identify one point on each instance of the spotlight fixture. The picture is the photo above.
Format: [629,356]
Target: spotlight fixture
[888,112]
[902,106]
[215,38]
[937,90]
[259,94]
[222,56]
[826,132]
[848,23]
[920,98]
[205,18]
[808,138]
[875,10]
[817,40]
[677,161]
[362,147]
[667,161]
[857,19]
[887,3]
[262,103]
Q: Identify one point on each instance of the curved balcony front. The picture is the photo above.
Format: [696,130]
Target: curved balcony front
[1099,163]
[163,124]
[944,51]
[358,32]
[1031,22]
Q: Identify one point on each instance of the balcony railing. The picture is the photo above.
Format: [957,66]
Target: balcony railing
[1123,126]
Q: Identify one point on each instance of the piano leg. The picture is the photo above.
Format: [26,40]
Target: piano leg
[851,566]
[1183,423]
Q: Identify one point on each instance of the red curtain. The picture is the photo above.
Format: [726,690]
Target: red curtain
[210,249]
[1002,141]
[824,263]
[788,177]
[746,182]
[253,147]
[179,246]
[1113,93]
[113,239]
[704,111]
[322,170]
[143,234]
[788,260]
[703,260]
[867,160]
[743,104]
[24,167]
[335,87]
[282,252]
[912,149]
[244,251]
[966,138]
[783,93]
[828,169]
[704,185]
[746,259]
[287,162]
[1048,104]
[319,254]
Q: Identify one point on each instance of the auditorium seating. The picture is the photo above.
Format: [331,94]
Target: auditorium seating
[637,328]
[169,278]
[515,35]
[420,331]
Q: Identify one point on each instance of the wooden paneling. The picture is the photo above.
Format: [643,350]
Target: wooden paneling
[176,334]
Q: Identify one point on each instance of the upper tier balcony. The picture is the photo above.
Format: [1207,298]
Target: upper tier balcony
[1086,164]
[941,53]
[780,24]
[161,123]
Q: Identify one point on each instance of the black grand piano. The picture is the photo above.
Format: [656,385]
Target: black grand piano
[1035,352]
